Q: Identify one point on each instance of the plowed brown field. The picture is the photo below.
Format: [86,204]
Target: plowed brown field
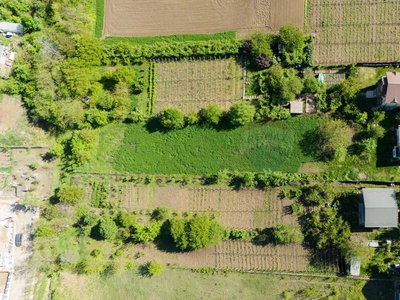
[166,17]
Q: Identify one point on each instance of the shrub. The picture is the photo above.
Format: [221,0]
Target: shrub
[212,114]
[286,234]
[144,234]
[161,213]
[125,219]
[154,268]
[195,233]
[70,194]
[241,113]
[107,228]
[192,118]
[172,118]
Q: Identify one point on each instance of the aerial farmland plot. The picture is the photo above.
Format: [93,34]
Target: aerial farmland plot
[190,85]
[168,17]
[355,31]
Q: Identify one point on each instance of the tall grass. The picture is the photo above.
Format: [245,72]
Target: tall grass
[166,38]
[199,150]
[98,30]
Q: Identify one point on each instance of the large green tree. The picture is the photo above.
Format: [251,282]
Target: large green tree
[241,113]
[172,118]
[197,232]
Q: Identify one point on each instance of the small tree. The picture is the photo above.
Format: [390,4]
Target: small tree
[196,233]
[107,228]
[212,114]
[154,268]
[241,113]
[70,194]
[172,118]
[286,234]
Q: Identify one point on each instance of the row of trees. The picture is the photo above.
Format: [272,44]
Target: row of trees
[239,114]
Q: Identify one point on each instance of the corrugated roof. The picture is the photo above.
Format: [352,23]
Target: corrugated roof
[11,27]
[380,208]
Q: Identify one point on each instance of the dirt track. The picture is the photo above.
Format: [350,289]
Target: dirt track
[167,17]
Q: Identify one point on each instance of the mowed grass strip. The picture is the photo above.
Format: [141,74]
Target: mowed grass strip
[99,7]
[199,150]
[228,35]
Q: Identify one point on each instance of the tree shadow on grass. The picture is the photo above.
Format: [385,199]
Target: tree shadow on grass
[153,125]
[164,242]
[309,144]
[264,237]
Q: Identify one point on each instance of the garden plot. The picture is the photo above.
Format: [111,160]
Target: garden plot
[348,31]
[248,208]
[190,85]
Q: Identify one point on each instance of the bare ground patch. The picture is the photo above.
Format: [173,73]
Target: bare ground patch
[11,112]
[167,17]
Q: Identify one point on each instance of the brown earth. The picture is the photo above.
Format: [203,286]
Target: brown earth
[10,113]
[167,17]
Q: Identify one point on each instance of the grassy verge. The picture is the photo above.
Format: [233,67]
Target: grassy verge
[167,38]
[199,150]
[98,31]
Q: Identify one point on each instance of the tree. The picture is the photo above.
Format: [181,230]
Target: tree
[154,268]
[332,135]
[241,113]
[125,219]
[294,42]
[197,232]
[281,85]
[70,194]
[212,114]
[146,233]
[286,234]
[261,44]
[107,228]
[172,118]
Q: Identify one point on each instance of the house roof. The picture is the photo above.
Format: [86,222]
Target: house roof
[11,27]
[296,107]
[380,208]
[392,83]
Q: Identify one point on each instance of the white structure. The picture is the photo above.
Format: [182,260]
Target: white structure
[8,27]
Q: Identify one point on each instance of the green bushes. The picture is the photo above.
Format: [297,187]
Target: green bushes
[196,233]
[172,118]
[152,89]
[100,192]
[70,194]
[286,234]
[126,54]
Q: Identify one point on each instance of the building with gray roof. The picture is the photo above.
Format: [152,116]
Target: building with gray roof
[378,208]
[11,27]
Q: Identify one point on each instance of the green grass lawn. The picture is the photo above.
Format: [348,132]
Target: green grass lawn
[198,150]
[183,284]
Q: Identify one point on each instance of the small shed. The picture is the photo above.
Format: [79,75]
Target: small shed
[378,208]
[11,27]
[296,107]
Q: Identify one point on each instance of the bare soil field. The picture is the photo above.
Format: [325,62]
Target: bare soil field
[11,112]
[190,85]
[348,31]
[167,17]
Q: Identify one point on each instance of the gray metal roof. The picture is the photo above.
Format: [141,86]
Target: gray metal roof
[380,208]
[11,27]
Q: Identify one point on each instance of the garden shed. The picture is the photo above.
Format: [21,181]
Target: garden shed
[378,208]
[11,27]
[296,107]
